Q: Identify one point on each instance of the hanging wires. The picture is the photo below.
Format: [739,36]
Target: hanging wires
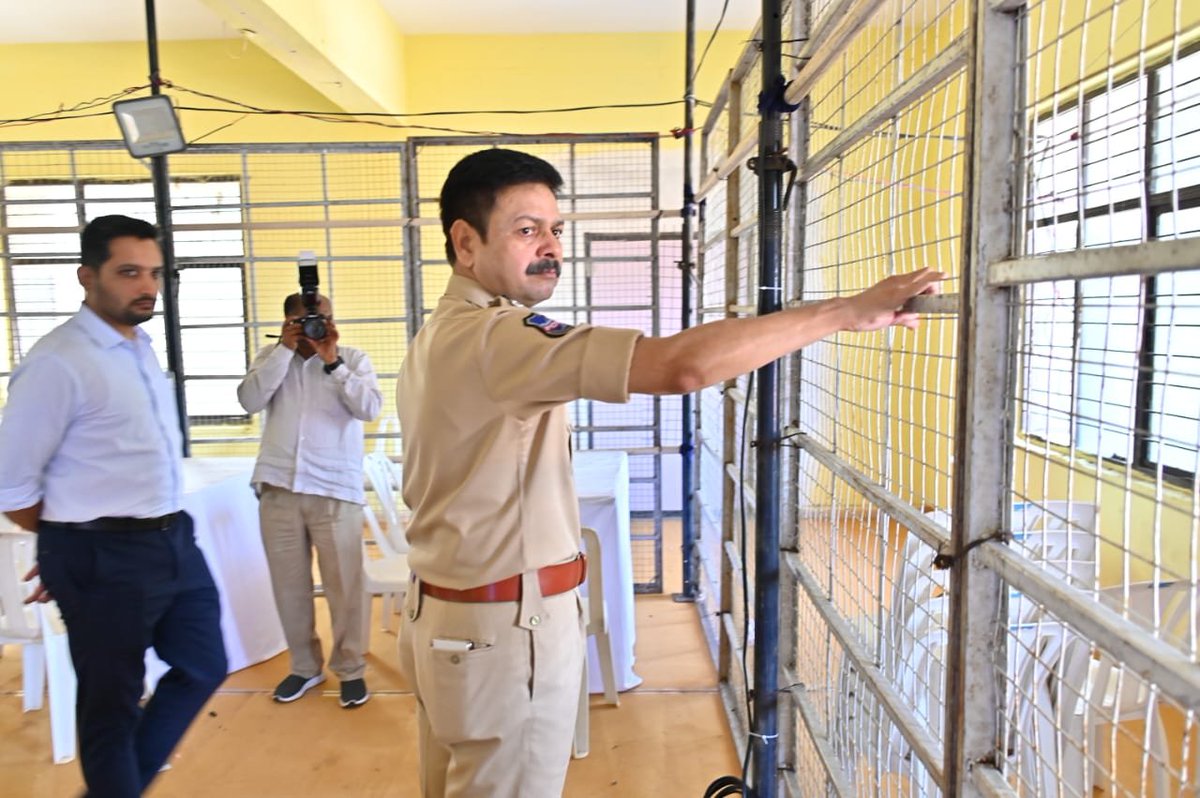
[711,39]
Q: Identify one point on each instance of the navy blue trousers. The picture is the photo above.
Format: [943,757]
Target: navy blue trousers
[121,592]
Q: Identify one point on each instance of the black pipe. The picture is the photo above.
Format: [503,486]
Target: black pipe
[162,209]
[771,164]
[686,271]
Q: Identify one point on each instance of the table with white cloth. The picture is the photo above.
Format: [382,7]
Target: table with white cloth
[218,497]
[602,485]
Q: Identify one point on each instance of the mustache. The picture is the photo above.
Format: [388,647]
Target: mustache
[146,298]
[543,266]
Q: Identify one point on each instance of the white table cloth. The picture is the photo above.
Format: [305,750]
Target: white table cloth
[602,485]
[218,497]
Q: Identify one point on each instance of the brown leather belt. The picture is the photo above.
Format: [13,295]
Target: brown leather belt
[554,579]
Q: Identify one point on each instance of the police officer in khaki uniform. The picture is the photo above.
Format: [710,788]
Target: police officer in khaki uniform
[493,641]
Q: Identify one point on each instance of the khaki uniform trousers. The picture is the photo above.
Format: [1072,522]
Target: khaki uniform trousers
[498,720]
[292,525]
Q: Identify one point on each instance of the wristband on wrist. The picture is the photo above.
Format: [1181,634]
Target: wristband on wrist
[329,367]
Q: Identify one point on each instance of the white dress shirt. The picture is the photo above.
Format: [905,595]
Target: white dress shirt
[91,428]
[313,435]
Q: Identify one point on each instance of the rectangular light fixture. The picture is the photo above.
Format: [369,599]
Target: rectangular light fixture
[150,126]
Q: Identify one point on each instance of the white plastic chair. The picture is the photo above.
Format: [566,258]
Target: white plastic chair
[387,575]
[39,630]
[384,478]
[1116,695]
[596,612]
[389,435]
[1059,534]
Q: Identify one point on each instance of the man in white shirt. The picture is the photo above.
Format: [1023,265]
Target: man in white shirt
[317,395]
[90,458]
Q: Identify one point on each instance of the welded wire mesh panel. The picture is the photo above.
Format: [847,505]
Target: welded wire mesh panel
[885,196]
[240,216]
[884,400]
[1078,721]
[1106,393]
[619,270]
[885,592]
[711,413]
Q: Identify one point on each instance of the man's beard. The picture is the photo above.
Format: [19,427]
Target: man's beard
[134,316]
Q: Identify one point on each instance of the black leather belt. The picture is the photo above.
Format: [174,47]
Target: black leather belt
[118,524]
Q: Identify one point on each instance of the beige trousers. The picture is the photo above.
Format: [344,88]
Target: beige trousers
[293,524]
[497,720]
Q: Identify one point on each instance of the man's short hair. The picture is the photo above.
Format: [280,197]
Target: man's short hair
[295,303]
[94,241]
[470,190]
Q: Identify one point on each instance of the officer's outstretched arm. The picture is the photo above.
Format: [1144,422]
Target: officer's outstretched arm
[720,350]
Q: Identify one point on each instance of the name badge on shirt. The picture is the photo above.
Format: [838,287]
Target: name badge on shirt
[548,327]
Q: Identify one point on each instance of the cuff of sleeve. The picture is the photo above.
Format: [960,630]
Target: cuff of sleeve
[20,497]
[606,364]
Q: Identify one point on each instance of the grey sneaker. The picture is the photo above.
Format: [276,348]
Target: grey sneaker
[354,693]
[295,686]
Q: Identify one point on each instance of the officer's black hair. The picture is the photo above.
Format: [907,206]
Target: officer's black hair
[94,241]
[470,190]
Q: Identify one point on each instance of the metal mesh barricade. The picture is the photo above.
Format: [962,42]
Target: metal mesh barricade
[991,528]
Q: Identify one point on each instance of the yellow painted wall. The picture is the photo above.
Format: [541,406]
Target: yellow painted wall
[442,73]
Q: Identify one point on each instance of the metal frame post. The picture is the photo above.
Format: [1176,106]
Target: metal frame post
[983,456]
[162,209]
[686,271]
[772,157]
[414,294]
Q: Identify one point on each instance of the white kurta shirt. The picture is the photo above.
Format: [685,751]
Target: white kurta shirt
[313,434]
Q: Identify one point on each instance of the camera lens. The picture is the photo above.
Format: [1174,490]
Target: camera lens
[313,327]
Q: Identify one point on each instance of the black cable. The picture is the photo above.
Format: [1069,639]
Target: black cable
[499,111]
[716,30]
[217,129]
[744,553]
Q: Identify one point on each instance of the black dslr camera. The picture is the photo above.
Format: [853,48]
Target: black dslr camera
[312,323]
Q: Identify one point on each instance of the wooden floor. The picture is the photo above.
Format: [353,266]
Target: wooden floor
[668,737]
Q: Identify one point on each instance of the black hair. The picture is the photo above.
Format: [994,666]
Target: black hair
[99,232]
[295,303]
[470,190]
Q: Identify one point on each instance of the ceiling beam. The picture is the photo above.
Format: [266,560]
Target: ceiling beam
[351,51]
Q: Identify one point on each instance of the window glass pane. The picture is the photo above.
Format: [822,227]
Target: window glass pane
[1113,145]
[1046,368]
[1061,237]
[217,206]
[1175,151]
[127,199]
[1112,229]
[1174,422]
[46,290]
[42,206]
[1180,224]
[1054,177]
[213,398]
[1109,321]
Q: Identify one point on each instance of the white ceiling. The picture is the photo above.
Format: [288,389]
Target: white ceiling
[39,21]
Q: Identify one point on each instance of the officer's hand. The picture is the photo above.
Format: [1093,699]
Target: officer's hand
[40,594]
[291,334]
[327,346]
[880,305]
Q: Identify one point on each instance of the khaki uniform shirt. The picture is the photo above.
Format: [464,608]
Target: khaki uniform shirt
[487,458]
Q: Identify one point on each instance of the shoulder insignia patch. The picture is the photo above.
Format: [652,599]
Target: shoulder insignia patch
[547,326]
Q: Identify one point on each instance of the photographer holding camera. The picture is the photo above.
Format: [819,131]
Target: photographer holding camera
[316,394]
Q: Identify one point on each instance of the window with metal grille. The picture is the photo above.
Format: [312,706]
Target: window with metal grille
[1112,368]
[41,247]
